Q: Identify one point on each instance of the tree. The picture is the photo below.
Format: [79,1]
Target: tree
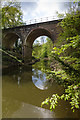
[36,50]
[43,49]
[11,14]
[68,58]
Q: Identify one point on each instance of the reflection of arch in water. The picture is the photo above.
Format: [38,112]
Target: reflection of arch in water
[39,80]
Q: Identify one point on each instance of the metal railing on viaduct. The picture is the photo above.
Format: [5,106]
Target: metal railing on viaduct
[39,20]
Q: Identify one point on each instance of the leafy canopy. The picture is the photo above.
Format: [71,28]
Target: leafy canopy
[68,57]
[11,14]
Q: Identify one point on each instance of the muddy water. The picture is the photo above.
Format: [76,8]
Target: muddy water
[23,90]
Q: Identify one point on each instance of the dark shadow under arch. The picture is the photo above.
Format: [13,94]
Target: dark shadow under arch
[9,39]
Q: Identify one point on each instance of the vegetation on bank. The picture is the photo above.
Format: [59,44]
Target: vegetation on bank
[67,55]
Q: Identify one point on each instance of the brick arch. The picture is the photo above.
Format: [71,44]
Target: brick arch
[37,32]
[9,39]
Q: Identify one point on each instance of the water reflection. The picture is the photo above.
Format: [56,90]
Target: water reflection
[22,98]
[31,111]
[39,79]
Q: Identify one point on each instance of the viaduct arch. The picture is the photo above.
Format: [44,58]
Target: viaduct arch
[27,34]
[35,33]
[9,40]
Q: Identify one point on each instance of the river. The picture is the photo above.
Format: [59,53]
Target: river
[23,90]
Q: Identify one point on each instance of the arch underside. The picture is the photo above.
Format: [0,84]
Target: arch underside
[9,40]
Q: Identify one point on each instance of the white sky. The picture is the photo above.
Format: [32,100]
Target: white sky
[42,8]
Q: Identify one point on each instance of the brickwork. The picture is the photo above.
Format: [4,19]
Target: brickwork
[28,33]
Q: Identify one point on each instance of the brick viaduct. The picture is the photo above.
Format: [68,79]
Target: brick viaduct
[28,34]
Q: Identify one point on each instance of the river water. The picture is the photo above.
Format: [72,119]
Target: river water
[23,90]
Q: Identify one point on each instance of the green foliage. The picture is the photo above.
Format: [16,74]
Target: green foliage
[69,73]
[52,101]
[71,94]
[11,14]
[42,50]
[14,57]
[67,56]
[70,25]
[59,15]
[36,50]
